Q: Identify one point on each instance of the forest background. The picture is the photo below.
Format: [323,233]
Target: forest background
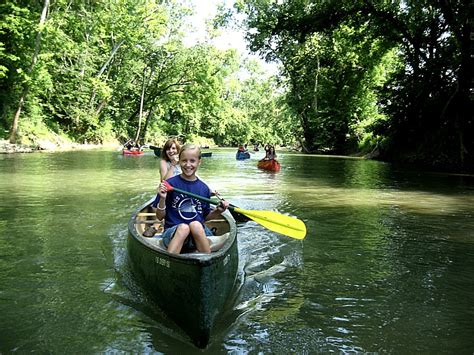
[389,79]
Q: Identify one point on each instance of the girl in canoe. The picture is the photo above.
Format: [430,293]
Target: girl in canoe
[184,216]
[270,152]
[169,167]
[169,164]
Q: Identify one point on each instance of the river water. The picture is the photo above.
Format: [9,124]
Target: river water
[387,265]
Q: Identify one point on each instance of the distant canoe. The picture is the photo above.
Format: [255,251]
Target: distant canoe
[192,289]
[242,155]
[157,151]
[271,165]
[132,152]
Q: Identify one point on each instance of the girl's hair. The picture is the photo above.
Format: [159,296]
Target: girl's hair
[167,146]
[189,146]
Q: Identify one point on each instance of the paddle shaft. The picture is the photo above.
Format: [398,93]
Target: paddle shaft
[274,221]
[202,198]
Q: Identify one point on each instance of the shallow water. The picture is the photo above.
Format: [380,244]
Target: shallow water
[386,265]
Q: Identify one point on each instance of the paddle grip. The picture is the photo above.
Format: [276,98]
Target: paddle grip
[202,198]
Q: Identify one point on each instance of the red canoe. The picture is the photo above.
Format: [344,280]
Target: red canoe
[272,165]
[132,152]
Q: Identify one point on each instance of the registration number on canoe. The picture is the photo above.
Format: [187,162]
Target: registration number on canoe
[162,262]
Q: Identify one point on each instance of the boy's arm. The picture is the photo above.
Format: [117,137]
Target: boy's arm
[218,210]
[161,207]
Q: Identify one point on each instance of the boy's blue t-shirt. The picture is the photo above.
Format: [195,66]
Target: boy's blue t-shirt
[181,208]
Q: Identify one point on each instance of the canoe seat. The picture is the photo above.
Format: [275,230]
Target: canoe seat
[155,242]
[217,241]
[148,221]
[159,242]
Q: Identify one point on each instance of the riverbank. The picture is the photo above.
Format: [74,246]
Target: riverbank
[8,148]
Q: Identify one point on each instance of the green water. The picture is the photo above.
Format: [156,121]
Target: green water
[386,266]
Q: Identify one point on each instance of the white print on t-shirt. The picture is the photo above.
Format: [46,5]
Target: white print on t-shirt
[187,207]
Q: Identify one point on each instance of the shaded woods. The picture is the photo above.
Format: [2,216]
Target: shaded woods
[395,77]
[391,80]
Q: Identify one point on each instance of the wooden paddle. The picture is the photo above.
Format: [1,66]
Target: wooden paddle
[274,221]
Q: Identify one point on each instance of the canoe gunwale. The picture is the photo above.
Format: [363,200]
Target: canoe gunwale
[157,152]
[192,258]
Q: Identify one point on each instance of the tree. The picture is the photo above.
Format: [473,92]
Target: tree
[12,14]
[330,66]
[120,69]
[425,98]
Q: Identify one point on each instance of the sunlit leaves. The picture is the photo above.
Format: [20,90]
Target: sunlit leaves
[97,57]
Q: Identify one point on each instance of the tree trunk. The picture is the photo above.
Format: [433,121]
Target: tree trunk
[21,102]
[101,71]
[316,88]
[141,106]
[147,121]
[461,26]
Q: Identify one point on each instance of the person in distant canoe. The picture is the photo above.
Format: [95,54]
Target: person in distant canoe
[132,145]
[270,153]
[129,144]
[184,216]
[169,164]
[242,152]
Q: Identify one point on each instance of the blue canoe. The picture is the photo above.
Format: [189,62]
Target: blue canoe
[242,155]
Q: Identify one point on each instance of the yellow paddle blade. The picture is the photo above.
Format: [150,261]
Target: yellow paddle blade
[277,222]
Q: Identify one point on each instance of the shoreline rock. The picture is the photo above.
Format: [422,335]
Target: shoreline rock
[8,148]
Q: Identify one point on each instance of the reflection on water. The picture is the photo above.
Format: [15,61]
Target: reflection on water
[386,265]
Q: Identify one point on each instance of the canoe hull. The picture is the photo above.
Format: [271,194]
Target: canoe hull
[270,165]
[132,152]
[192,289]
[242,155]
[157,151]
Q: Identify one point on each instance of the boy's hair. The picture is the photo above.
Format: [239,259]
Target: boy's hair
[189,146]
[167,146]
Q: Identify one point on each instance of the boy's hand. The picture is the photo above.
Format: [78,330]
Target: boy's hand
[162,190]
[223,205]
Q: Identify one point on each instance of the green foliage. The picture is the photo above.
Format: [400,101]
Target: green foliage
[16,43]
[358,75]
[120,68]
[366,72]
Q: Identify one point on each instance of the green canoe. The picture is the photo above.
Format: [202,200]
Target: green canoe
[192,289]
[157,151]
